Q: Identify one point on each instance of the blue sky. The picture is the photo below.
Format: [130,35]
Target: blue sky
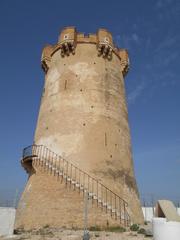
[148,29]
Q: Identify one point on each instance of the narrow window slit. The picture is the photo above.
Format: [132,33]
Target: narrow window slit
[65,84]
[105,139]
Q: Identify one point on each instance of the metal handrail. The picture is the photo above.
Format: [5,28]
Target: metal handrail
[74,174]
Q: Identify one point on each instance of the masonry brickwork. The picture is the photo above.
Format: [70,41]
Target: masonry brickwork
[83,117]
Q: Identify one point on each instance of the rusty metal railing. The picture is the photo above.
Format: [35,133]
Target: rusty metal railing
[79,180]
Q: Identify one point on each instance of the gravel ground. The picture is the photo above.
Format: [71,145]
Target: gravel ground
[76,235]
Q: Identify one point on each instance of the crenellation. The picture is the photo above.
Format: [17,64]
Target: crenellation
[104,36]
[123,53]
[69,38]
[46,57]
[68,33]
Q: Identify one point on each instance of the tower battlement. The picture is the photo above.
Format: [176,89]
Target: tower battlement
[69,38]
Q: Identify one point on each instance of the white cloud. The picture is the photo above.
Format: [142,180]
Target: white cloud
[168,42]
[136,93]
[135,37]
[162,3]
[128,40]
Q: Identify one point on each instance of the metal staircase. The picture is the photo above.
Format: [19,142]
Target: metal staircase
[77,179]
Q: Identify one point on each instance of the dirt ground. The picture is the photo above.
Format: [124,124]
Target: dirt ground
[76,235]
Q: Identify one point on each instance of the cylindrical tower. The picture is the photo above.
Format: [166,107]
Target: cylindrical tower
[83,118]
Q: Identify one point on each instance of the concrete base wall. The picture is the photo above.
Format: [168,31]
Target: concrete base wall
[58,205]
[148,213]
[7,218]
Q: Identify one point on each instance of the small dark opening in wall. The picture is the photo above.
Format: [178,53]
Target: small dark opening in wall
[84,124]
[94,63]
[110,156]
[47,128]
[92,106]
[64,64]
[105,139]
[80,90]
[76,75]
[65,84]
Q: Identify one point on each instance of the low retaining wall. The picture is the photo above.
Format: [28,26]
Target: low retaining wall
[7,218]
[148,213]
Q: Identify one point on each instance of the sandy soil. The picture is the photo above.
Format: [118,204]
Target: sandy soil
[76,235]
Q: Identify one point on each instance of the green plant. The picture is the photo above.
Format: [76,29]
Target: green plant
[142,231]
[97,235]
[94,228]
[46,226]
[115,229]
[134,227]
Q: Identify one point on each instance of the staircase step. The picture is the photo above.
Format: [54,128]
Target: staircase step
[118,214]
[51,165]
[90,194]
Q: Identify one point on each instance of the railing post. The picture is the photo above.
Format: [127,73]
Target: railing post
[66,172]
[97,191]
[62,170]
[36,151]
[75,180]
[120,210]
[79,180]
[46,158]
[71,174]
[115,209]
[88,183]
[53,160]
[83,182]
[124,214]
[106,201]
[102,196]
[92,182]
[39,154]
[56,159]
[111,202]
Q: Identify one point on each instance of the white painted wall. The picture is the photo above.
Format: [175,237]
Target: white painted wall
[148,213]
[7,218]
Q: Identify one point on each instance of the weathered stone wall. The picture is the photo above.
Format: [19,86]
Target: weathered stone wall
[47,201]
[83,117]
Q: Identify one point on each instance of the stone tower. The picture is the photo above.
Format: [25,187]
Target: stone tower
[82,139]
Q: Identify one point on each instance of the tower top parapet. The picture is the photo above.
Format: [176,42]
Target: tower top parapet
[69,38]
